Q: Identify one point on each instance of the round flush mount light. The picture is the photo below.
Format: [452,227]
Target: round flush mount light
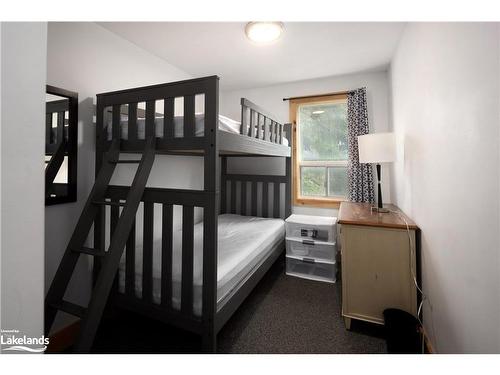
[264,32]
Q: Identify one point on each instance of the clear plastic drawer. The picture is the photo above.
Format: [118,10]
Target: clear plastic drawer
[318,228]
[311,269]
[310,249]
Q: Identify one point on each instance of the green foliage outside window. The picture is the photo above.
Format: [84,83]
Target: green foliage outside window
[323,132]
[323,139]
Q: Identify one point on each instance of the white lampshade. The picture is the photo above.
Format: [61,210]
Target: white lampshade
[377,148]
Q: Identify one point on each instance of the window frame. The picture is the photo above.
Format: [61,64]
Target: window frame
[298,200]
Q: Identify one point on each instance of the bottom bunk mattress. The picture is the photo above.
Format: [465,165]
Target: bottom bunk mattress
[244,241]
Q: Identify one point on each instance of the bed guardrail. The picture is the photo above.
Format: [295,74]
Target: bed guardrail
[158,103]
[182,116]
[165,200]
[256,195]
[256,122]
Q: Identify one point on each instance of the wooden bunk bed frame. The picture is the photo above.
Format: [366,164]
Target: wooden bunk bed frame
[260,135]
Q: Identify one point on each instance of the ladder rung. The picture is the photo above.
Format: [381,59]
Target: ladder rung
[71,308]
[125,161]
[90,251]
[109,203]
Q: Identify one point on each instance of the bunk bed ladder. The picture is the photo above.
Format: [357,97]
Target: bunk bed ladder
[91,315]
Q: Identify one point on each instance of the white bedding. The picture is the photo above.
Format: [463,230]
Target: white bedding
[225,124]
[243,242]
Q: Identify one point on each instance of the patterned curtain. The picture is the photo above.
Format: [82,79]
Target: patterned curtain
[360,176]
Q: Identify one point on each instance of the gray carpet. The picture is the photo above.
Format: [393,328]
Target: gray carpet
[283,314]
[286,314]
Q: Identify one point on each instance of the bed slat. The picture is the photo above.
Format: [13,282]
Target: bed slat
[265,199]
[166,255]
[276,198]
[252,123]
[233,196]
[130,263]
[223,185]
[254,198]
[168,119]
[187,259]
[243,204]
[114,216]
[259,133]
[189,116]
[150,119]
[132,122]
[115,121]
[266,129]
[244,121]
[99,240]
[147,253]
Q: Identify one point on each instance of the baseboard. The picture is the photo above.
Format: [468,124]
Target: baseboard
[64,338]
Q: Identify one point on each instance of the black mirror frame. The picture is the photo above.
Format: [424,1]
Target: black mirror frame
[72,147]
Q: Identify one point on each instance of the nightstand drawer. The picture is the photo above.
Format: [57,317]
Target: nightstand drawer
[308,268]
[310,249]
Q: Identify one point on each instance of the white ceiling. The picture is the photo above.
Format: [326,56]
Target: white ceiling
[306,50]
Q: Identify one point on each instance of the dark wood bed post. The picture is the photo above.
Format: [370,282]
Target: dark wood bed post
[288,173]
[100,220]
[210,222]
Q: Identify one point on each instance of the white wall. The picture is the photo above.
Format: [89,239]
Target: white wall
[23,69]
[271,98]
[445,95]
[89,59]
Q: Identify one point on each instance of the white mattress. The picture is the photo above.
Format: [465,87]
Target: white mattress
[244,241]
[225,124]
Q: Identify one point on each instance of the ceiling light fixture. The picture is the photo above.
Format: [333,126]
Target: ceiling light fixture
[264,32]
[318,112]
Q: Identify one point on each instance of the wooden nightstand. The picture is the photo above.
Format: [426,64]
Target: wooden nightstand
[377,262]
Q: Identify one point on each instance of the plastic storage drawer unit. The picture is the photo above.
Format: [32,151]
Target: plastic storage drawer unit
[312,269]
[310,249]
[318,228]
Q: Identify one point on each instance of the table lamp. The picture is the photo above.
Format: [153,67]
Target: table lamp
[377,148]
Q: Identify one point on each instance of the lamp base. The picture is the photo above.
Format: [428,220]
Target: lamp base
[379,210]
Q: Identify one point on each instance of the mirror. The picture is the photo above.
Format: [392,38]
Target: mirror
[61,145]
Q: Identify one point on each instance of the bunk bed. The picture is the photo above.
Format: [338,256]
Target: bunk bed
[208,266]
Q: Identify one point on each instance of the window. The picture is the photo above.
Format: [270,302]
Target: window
[320,150]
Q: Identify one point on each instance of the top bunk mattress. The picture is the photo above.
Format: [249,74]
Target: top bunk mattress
[244,241]
[225,124]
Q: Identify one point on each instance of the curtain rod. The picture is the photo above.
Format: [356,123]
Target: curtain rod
[319,95]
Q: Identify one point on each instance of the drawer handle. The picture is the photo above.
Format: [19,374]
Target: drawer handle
[308,242]
[308,260]
[313,233]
